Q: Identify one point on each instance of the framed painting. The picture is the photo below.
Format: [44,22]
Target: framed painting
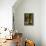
[28,18]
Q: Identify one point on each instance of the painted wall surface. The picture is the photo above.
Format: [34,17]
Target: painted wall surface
[29,32]
[6,13]
[43,22]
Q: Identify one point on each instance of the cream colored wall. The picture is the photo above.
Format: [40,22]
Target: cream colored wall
[43,22]
[31,32]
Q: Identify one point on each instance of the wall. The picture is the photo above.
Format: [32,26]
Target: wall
[30,32]
[43,22]
[6,13]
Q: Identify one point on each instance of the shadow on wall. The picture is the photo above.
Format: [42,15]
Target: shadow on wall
[38,42]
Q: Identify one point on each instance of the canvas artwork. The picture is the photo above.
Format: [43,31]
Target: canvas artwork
[28,18]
